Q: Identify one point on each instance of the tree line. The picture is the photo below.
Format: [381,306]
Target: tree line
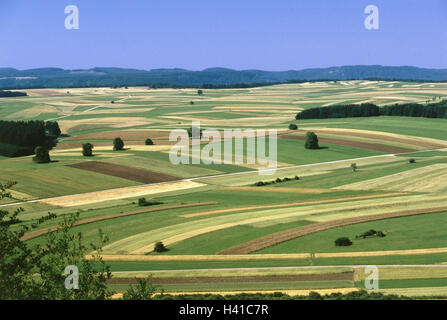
[8,94]
[20,138]
[431,110]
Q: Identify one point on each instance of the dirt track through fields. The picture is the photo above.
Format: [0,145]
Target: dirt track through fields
[279,237]
[38,233]
[143,176]
[356,144]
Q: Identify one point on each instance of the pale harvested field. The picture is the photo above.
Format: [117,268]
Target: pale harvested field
[125,135]
[121,193]
[66,125]
[431,178]
[417,292]
[422,272]
[420,141]
[293,204]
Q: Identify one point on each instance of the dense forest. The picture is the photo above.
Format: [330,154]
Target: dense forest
[20,138]
[213,77]
[431,110]
[9,94]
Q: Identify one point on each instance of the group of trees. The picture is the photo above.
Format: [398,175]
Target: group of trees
[340,111]
[432,110]
[10,94]
[21,138]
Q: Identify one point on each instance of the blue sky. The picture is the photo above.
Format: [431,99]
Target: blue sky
[243,34]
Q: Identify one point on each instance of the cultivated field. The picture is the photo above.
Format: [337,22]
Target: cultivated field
[229,234]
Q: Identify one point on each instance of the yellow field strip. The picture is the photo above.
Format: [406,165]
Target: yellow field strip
[198,214]
[120,193]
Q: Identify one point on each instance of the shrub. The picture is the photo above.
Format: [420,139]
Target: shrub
[412,161]
[311,141]
[293,126]
[278,180]
[42,155]
[354,167]
[297,178]
[118,144]
[191,102]
[343,241]
[160,247]
[87,149]
[199,92]
[142,202]
[149,142]
[259,184]
[380,234]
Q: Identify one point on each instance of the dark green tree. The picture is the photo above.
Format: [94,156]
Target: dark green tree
[199,92]
[87,149]
[118,144]
[149,142]
[343,241]
[311,141]
[41,155]
[160,247]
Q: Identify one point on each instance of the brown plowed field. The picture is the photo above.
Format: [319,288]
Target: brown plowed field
[124,172]
[356,144]
[278,278]
[275,238]
[38,233]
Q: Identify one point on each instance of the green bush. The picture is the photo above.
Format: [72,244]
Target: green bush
[343,241]
[311,141]
[293,126]
[149,142]
[42,155]
[118,144]
[160,247]
[412,161]
[87,149]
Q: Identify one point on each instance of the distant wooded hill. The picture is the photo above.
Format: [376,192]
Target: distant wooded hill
[215,77]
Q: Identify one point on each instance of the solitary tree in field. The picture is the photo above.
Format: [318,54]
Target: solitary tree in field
[42,155]
[118,144]
[354,167]
[149,142]
[311,141]
[87,149]
[160,247]
[293,126]
[199,92]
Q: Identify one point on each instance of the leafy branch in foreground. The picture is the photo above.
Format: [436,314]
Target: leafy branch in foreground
[37,271]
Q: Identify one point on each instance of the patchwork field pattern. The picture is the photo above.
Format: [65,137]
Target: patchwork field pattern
[230,235]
